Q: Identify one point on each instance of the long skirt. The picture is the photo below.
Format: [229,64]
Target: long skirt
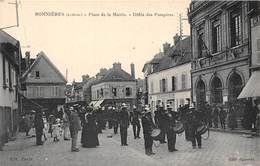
[89,137]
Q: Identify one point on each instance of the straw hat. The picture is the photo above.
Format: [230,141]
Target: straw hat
[124,105]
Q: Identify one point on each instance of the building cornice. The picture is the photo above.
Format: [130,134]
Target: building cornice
[170,92]
[219,65]
[169,68]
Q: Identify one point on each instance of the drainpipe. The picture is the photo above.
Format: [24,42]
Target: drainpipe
[191,39]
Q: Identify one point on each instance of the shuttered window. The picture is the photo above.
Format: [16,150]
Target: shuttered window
[173,83]
[4,74]
[183,81]
[258,50]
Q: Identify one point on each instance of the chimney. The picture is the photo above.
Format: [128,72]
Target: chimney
[132,66]
[102,71]
[85,78]
[27,59]
[117,65]
[176,39]
[166,47]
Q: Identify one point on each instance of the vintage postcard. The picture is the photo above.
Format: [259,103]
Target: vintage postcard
[127,82]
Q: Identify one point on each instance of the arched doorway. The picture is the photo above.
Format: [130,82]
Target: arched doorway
[216,91]
[200,94]
[235,86]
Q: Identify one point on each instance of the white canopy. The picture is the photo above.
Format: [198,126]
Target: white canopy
[96,103]
[252,88]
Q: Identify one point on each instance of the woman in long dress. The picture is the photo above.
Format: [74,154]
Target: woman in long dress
[89,138]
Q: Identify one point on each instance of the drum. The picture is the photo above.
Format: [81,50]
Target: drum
[202,129]
[156,134]
[178,129]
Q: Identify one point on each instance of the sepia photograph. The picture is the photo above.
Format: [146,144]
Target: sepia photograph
[129,83]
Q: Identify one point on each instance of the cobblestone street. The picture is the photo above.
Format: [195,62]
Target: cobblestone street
[220,149]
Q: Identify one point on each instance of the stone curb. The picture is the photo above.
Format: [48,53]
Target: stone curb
[247,132]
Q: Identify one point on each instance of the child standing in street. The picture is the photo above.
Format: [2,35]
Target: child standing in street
[56,128]
[45,129]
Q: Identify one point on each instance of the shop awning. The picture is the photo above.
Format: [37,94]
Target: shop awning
[252,88]
[96,103]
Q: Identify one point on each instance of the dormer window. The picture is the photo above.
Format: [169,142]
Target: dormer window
[37,74]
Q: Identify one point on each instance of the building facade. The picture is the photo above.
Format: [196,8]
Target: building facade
[168,77]
[254,15]
[45,85]
[221,52]
[114,88]
[10,59]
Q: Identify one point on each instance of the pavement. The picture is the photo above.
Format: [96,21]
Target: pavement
[220,149]
[234,131]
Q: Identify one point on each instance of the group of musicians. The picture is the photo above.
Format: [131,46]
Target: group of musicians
[168,122]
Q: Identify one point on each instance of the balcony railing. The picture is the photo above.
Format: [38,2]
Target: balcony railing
[229,55]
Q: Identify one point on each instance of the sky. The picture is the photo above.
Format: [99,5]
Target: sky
[88,36]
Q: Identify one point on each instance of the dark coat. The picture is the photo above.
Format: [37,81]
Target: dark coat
[115,116]
[134,117]
[89,136]
[74,122]
[147,124]
[124,118]
[222,114]
[170,119]
[38,123]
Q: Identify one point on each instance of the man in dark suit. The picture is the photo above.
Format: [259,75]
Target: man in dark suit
[39,125]
[75,127]
[148,125]
[124,124]
[194,118]
[170,120]
[161,122]
[134,119]
[115,117]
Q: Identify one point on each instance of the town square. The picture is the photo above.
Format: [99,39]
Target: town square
[169,83]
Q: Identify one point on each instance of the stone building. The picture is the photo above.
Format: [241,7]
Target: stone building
[114,87]
[220,50]
[10,60]
[168,75]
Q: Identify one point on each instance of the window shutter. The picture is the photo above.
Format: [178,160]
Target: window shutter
[166,88]
[160,85]
[258,50]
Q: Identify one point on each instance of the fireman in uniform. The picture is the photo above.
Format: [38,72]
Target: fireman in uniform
[170,119]
[148,126]
[134,119]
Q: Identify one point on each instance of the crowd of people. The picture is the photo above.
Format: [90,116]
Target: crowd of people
[92,121]
[222,117]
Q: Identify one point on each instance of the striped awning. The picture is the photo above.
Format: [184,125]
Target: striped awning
[96,103]
[252,88]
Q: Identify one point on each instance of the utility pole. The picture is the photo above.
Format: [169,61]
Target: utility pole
[17,16]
